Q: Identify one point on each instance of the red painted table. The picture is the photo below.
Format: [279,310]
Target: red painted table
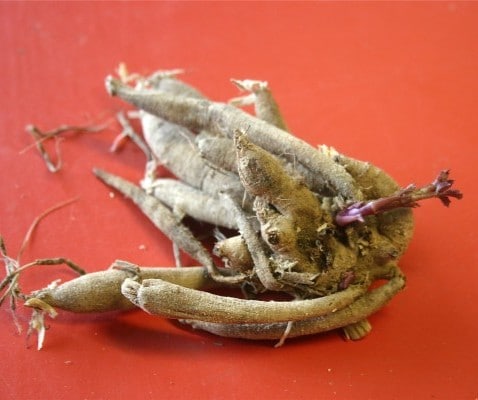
[393,83]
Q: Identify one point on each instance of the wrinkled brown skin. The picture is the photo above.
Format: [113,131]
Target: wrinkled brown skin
[351,316]
[184,199]
[166,221]
[154,296]
[200,114]
[101,291]
[288,241]
[170,142]
[290,207]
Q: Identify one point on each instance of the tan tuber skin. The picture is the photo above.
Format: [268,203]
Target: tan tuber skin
[300,251]
[223,119]
[280,197]
[101,291]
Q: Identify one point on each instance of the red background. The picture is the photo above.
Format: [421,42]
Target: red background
[392,83]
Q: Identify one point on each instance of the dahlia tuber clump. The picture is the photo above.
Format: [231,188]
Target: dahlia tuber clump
[311,224]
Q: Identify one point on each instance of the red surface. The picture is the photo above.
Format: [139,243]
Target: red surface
[393,83]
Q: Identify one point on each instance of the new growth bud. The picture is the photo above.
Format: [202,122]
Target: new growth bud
[407,197]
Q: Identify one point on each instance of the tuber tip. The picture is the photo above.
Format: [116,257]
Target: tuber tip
[240,139]
[130,288]
[112,85]
[38,304]
[104,176]
[250,85]
[98,172]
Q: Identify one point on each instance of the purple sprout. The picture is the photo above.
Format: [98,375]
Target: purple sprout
[408,197]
